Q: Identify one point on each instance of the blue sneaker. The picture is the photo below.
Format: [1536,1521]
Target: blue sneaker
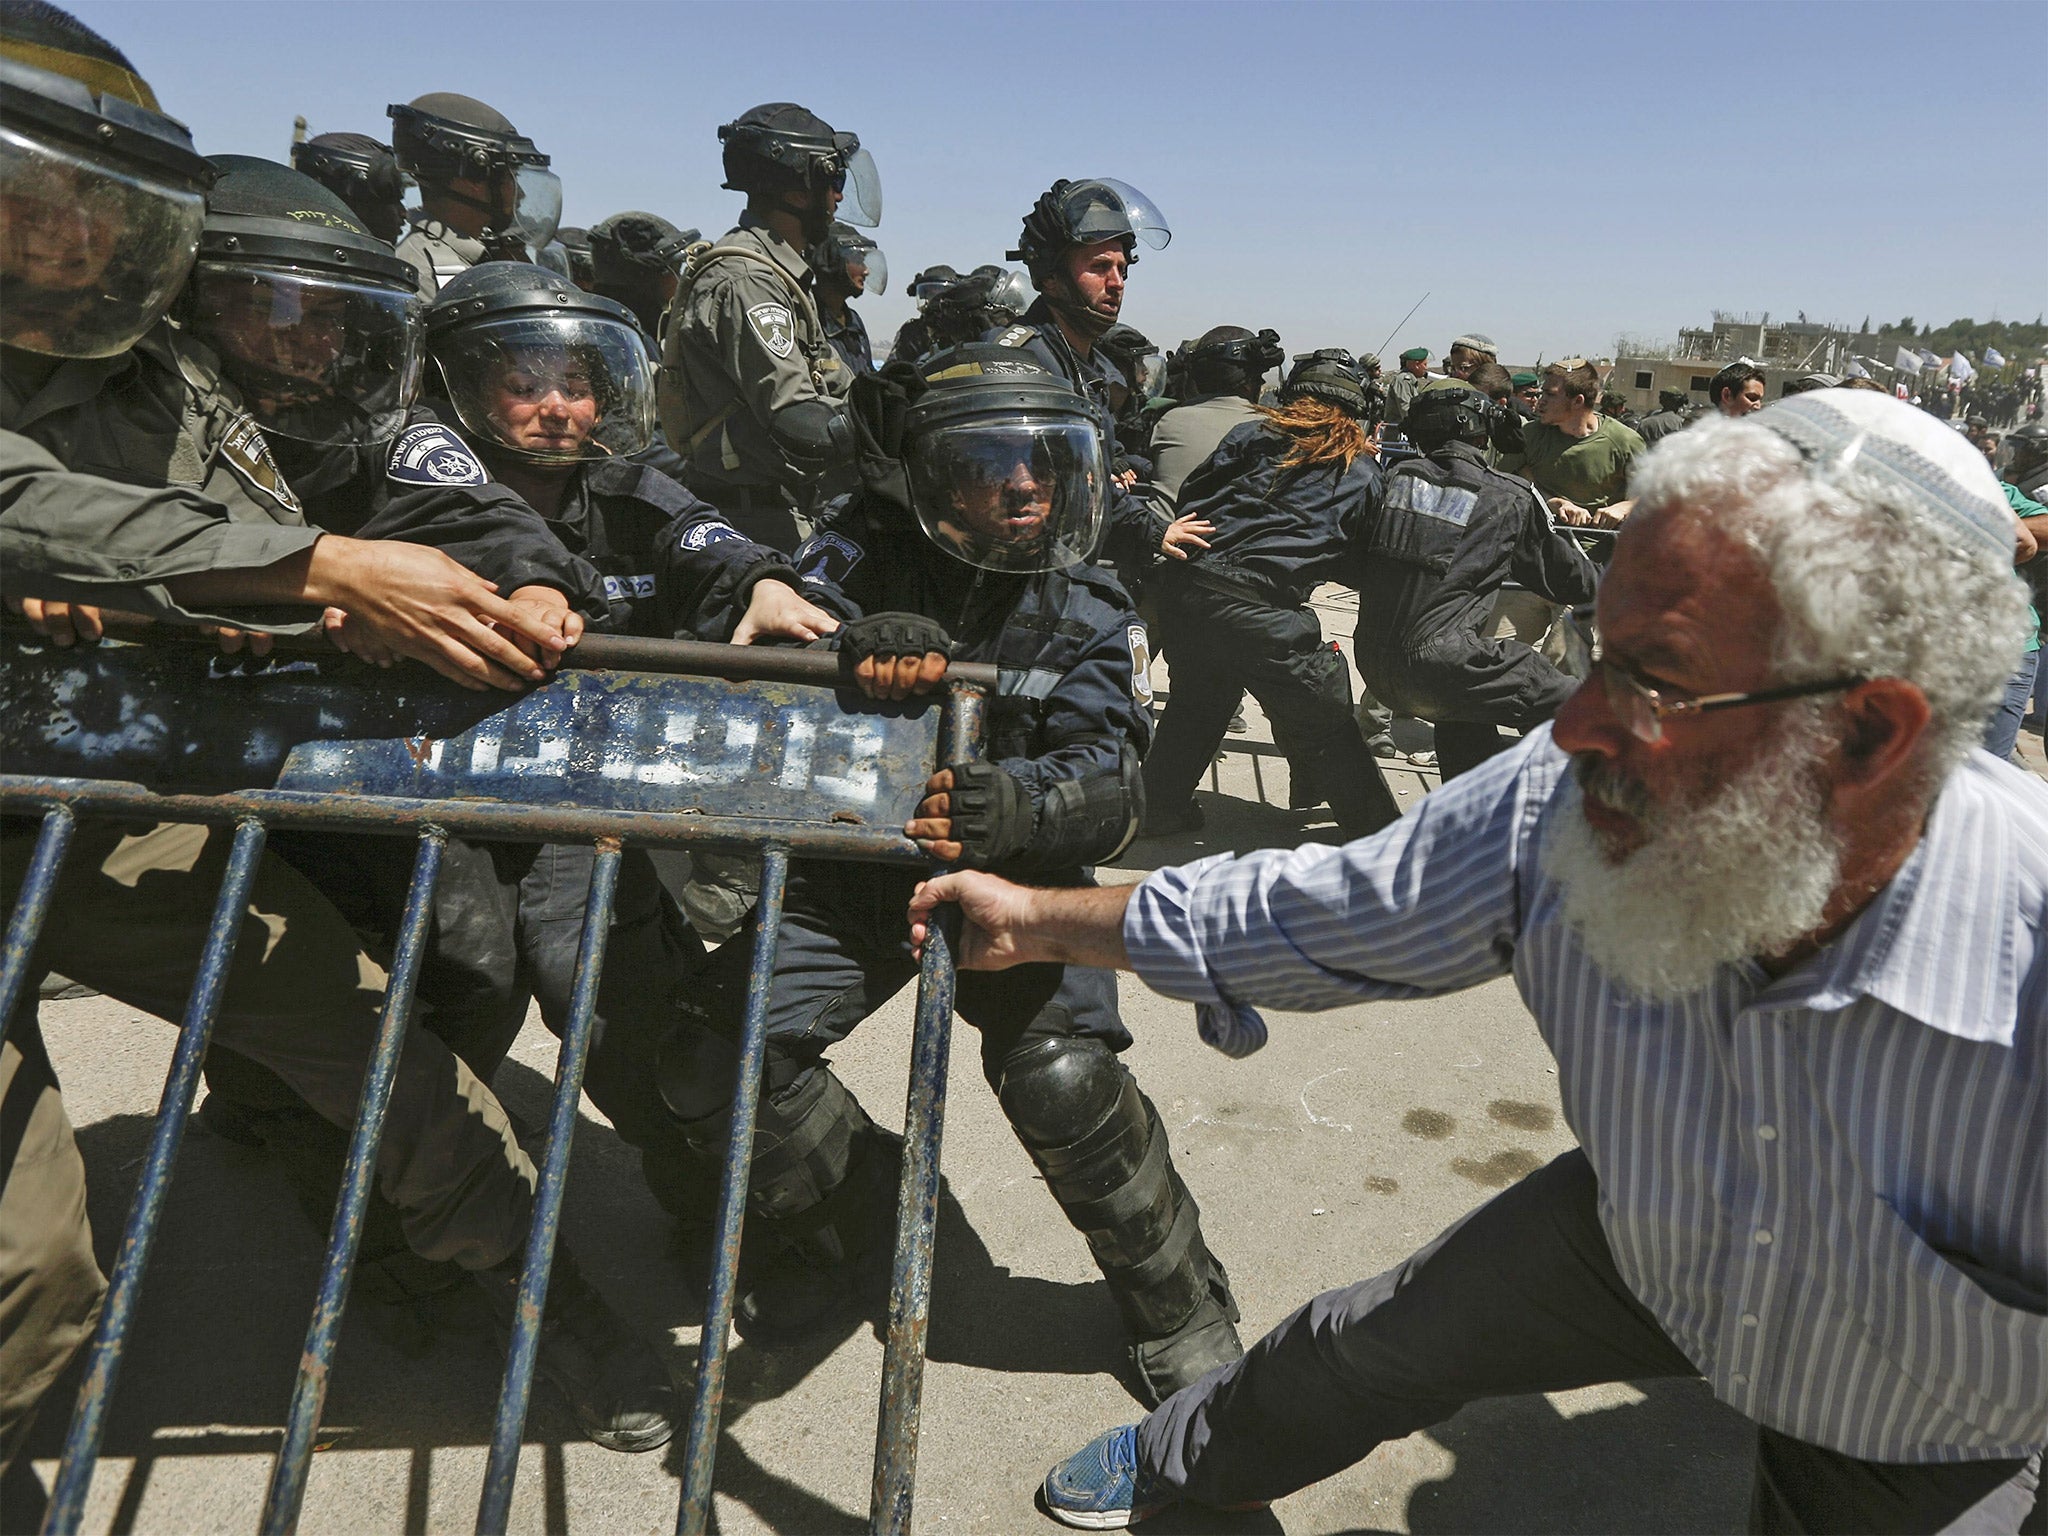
[1096,1488]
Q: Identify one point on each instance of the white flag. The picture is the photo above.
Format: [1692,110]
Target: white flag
[1959,367]
[1992,358]
[1906,362]
[1929,358]
[1855,371]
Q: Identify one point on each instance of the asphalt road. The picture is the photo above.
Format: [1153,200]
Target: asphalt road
[1349,1141]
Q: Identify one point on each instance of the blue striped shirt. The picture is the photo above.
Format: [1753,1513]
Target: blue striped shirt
[1830,1188]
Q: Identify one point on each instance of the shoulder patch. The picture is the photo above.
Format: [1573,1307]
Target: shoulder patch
[247,452]
[776,327]
[1141,663]
[1017,336]
[430,454]
[711,531]
[827,557]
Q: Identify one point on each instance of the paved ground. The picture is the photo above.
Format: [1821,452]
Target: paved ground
[1351,1139]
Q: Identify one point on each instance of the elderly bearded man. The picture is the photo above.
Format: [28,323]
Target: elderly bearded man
[1782,928]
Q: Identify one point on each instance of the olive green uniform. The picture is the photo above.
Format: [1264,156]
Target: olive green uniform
[437,253]
[115,477]
[741,342]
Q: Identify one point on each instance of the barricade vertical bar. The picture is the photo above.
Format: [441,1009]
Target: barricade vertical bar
[494,1510]
[917,1201]
[309,1392]
[38,886]
[700,1447]
[117,1315]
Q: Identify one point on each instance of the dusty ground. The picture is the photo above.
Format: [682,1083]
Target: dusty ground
[1351,1139]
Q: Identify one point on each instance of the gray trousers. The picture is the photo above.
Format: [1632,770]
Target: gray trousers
[1521,1296]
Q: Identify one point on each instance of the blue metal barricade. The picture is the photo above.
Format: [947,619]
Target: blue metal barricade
[634,743]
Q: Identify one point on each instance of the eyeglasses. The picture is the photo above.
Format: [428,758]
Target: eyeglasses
[1643,709]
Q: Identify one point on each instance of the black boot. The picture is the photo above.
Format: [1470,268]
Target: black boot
[821,1208]
[617,1387]
[1103,1152]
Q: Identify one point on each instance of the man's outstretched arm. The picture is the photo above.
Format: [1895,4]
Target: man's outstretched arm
[1005,925]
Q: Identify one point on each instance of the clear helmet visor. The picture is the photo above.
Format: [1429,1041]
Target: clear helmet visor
[542,385]
[1148,376]
[860,188]
[1010,492]
[317,356]
[1102,208]
[555,257]
[537,209]
[91,251]
[1012,291]
[873,268]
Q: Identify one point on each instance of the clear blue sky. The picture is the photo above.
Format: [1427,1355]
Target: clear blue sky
[1554,173]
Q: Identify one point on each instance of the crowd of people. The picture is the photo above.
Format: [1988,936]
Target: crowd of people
[1706,691]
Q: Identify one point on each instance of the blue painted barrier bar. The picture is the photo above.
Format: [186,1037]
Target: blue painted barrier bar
[25,925]
[495,1507]
[124,1290]
[700,1445]
[316,1361]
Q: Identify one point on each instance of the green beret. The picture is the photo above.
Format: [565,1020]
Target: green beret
[1525,378]
[1415,355]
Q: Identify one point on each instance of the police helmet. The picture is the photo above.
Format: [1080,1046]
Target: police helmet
[1672,399]
[1330,375]
[2028,446]
[537,366]
[780,146]
[575,243]
[1004,461]
[101,195]
[633,244]
[1137,356]
[443,137]
[1229,358]
[1452,414]
[316,320]
[846,249]
[362,173]
[1075,213]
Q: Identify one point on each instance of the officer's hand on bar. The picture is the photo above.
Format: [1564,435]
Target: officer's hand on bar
[232,641]
[550,608]
[777,611]
[893,655]
[60,623]
[407,600]
[1184,531]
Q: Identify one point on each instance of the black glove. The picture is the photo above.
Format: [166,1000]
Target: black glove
[889,635]
[991,812]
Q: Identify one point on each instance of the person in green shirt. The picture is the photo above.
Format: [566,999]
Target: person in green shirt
[1578,458]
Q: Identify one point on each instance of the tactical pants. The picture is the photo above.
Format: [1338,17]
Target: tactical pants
[1467,685]
[1048,1034]
[1521,1296]
[1219,647]
[302,999]
[508,926]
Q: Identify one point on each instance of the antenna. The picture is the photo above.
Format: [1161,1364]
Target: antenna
[1404,320]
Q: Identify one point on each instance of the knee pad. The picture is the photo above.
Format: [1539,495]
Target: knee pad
[1060,1092]
[694,1069]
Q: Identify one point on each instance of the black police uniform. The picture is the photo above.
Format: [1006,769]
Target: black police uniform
[1235,618]
[849,338]
[1069,722]
[1448,533]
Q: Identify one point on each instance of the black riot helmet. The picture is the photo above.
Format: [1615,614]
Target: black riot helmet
[1230,360]
[1004,461]
[1138,357]
[576,254]
[316,320]
[101,195]
[634,258]
[2028,447]
[535,365]
[845,252]
[1087,212]
[362,173]
[443,137]
[781,147]
[1449,414]
[1329,374]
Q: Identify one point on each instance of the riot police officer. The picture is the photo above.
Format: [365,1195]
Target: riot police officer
[634,258]
[486,193]
[849,265]
[1226,369]
[1079,243]
[1283,496]
[752,394]
[1448,533]
[133,479]
[953,310]
[362,173]
[971,540]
